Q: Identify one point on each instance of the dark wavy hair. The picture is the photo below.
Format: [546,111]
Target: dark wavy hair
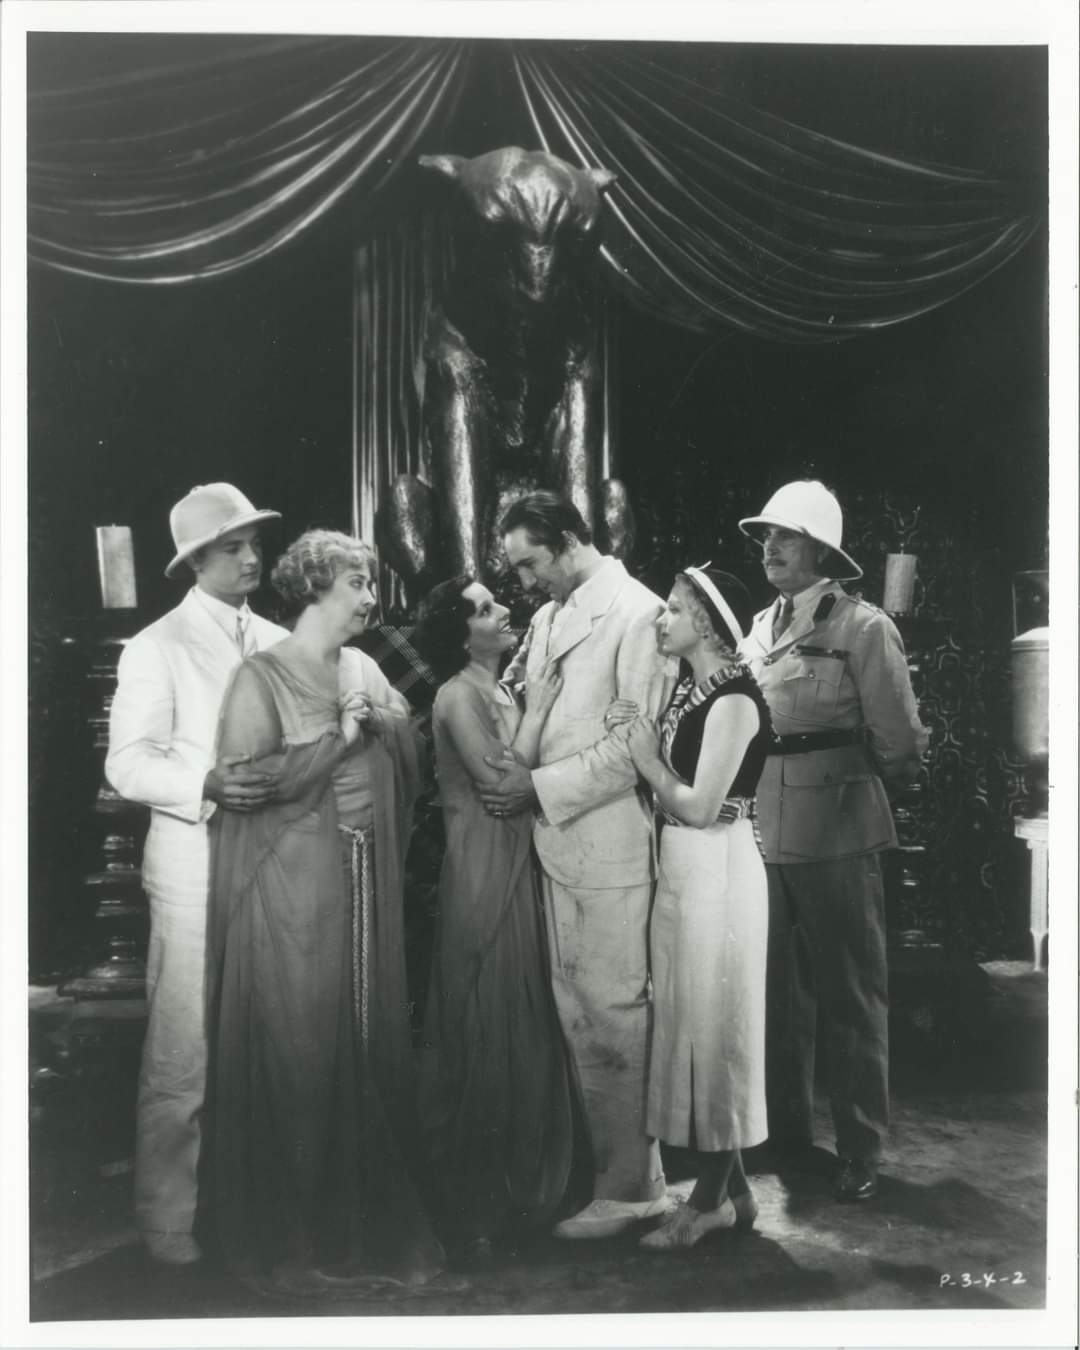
[547,518]
[442,626]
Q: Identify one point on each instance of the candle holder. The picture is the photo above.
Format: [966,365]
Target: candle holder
[898,597]
[116,566]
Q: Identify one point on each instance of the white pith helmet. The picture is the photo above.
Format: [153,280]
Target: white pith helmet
[808,507]
[207,513]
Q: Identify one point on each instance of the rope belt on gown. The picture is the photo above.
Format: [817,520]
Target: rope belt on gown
[361,874]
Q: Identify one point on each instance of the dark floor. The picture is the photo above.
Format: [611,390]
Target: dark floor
[959,1223]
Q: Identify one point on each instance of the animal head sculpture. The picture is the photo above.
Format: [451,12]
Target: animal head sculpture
[528,219]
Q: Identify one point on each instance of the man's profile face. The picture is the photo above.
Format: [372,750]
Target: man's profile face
[790,559]
[230,568]
[538,568]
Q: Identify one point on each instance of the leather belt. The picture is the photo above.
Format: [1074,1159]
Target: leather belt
[802,742]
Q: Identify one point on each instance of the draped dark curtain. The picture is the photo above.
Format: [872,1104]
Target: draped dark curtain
[189,170]
[724,216]
[188,164]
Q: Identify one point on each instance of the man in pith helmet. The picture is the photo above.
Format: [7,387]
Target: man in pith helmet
[833,671]
[162,730]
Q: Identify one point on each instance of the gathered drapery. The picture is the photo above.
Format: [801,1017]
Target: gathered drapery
[723,218]
[188,171]
[723,215]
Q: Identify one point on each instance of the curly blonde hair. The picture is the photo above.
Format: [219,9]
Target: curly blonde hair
[310,564]
[716,638]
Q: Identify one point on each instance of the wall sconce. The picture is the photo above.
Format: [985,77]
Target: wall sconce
[116,566]
[899,597]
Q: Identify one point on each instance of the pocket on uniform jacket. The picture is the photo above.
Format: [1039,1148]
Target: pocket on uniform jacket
[824,768]
[835,821]
[812,687]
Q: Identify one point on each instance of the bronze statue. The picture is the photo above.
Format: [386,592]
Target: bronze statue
[511,388]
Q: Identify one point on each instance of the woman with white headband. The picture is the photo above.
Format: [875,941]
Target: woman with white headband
[709,927]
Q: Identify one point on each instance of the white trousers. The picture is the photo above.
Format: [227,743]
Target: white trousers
[172,1079]
[598,943]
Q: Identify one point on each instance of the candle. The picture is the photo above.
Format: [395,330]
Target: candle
[899,583]
[116,566]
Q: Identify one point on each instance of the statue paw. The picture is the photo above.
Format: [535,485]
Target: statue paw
[617,528]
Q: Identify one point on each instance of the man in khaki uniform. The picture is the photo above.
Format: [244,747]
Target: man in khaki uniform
[832,669]
[593,837]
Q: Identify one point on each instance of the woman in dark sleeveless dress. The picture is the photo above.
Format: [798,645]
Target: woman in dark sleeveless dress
[710,918]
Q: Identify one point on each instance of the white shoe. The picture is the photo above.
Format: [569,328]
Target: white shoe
[604,1218]
[685,1226]
[172,1249]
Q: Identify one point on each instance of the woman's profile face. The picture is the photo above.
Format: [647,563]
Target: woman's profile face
[675,631]
[350,600]
[489,624]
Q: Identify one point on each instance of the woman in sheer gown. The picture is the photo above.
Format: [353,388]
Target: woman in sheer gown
[495,1093]
[311,1083]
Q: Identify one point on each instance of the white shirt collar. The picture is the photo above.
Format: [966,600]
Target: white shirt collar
[582,594]
[223,615]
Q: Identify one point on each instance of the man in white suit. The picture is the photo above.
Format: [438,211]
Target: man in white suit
[162,731]
[593,836]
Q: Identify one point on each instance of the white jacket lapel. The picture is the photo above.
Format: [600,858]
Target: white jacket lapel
[578,618]
[574,625]
[206,642]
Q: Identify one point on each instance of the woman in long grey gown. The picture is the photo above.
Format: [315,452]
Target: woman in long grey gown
[311,1086]
[495,1095]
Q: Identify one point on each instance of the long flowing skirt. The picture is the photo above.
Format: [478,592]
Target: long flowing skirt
[495,1095]
[308,1165]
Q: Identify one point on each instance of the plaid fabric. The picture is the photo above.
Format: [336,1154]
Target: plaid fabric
[392,651]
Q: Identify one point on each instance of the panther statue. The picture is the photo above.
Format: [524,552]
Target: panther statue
[511,376]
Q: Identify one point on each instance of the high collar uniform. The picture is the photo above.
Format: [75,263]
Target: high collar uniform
[839,671]
[840,666]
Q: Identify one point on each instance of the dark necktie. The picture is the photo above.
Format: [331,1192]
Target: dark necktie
[783,621]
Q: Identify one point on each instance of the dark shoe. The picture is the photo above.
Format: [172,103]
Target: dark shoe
[746,1210]
[857,1180]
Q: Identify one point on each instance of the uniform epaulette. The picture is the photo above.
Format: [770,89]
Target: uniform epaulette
[866,604]
[825,607]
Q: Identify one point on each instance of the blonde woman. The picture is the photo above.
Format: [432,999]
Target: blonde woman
[311,1077]
[709,928]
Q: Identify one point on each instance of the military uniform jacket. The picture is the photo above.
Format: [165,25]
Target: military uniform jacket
[839,666]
